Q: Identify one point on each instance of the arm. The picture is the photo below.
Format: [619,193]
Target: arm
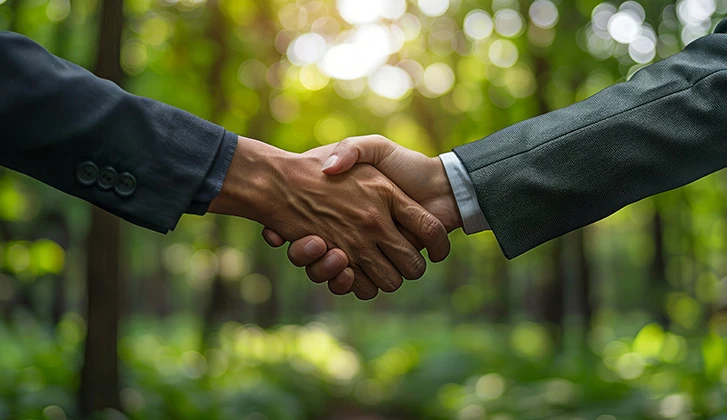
[549,175]
[137,158]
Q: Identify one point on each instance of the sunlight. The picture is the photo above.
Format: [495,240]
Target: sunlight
[367,50]
[358,12]
[544,14]
[503,53]
[306,49]
[434,8]
[623,27]
[391,82]
[438,79]
[478,25]
[509,23]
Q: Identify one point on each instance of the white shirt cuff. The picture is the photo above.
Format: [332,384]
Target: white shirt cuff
[473,220]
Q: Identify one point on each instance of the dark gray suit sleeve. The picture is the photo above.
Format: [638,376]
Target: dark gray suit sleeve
[549,175]
[57,120]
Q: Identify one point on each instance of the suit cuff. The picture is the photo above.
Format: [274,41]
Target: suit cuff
[212,184]
[473,219]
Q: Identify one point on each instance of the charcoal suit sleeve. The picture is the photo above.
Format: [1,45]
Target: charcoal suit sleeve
[140,159]
[549,175]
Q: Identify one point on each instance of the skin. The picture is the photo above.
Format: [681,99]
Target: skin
[422,178]
[354,214]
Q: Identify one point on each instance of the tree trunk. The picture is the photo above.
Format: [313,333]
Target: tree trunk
[584,304]
[99,387]
[657,271]
[62,236]
[219,303]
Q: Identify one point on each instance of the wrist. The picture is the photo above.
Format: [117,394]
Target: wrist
[445,195]
[246,189]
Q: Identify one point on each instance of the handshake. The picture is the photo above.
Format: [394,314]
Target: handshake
[357,227]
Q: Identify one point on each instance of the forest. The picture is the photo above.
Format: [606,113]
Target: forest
[623,319]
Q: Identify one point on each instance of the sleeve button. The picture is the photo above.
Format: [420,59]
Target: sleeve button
[126,185]
[107,178]
[87,173]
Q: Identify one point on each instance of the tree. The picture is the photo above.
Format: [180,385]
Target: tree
[99,388]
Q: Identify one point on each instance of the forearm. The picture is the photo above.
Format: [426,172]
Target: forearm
[56,116]
[552,174]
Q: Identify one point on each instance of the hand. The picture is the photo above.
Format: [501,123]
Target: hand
[355,212]
[420,177]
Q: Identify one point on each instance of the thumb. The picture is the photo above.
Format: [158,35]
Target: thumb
[364,149]
[273,238]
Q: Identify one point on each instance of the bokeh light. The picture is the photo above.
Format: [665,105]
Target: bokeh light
[509,23]
[543,14]
[311,78]
[478,25]
[255,288]
[437,80]
[433,8]
[391,82]
[624,27]
[306,49]
[503,53]
[359,12]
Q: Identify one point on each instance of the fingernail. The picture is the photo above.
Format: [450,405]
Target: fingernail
[333,261]
[330,162]
[313,249]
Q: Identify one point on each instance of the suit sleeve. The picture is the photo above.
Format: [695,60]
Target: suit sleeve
[137,158]
[549,175]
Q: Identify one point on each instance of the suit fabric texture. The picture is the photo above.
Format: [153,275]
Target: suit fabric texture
[134,157]
[551,174]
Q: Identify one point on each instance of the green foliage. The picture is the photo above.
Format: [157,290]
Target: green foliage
[399,369]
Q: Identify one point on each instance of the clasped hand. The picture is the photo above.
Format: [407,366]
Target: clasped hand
[420,177]
[360,218]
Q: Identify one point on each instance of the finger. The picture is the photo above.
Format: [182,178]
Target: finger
[332,264]
[307,250]
[405,257]
[410,237]
[342,283]
[381,271]
[422,225]
[272,238]
[363,287]
[364,149]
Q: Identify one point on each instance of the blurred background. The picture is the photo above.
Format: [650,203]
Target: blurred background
[625,319]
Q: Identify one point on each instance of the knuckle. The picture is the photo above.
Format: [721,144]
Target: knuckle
[373,220]
[393,285]
[381,139]
[415,267]
[389,282]
[432,228]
